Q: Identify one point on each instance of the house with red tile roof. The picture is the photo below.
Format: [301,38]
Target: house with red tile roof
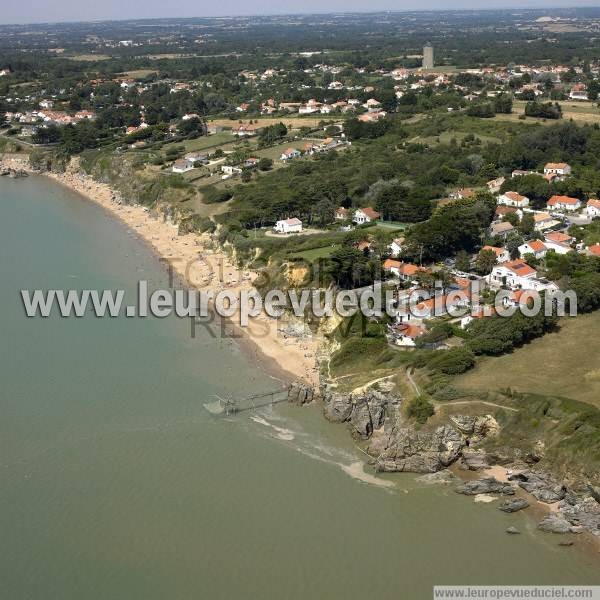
[593,250]
[365,215]
[557,169]
[502,254]
[593,208]
[514,274]
[564,203]
[513,199]
[341,214]
[535,247]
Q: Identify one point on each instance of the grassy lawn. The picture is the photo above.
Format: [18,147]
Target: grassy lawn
[291,122]
[582,112]
[138,74]
[387,225]
[88,57]
[315,253]
[446,137]
[564,363]
[205,142]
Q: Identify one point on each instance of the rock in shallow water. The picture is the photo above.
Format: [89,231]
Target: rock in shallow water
[555,524]
[513,505]
[487,485]
[513,531]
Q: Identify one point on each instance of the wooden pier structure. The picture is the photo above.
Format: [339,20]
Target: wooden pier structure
[295,392]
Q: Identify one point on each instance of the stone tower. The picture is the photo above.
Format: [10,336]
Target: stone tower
[428,56]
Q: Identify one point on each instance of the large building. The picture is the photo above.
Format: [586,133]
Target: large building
[428,56]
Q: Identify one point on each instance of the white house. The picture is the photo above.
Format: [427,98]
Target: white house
[578,92]
[593,208]
[564,203]
[290,154]
[231,170]
[557,169]
[502,254]
[514,274]
[559,242]
[182,166]
[495,184]
[288,226]
[513,199]
[396,246]
[365,215]
[535,247]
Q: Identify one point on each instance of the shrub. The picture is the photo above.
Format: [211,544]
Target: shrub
[420,408]
[452,362]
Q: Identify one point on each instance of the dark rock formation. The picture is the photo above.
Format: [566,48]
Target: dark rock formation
[581,511]
[487,485]
[474,460]
[421,452]
[365,412]
[513,505]
[542,487]
[555,524]
[300,393]
[444,477]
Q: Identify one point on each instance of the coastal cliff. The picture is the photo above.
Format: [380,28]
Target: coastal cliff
[468,444]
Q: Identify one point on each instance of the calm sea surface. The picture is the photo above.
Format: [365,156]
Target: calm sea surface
[117,483]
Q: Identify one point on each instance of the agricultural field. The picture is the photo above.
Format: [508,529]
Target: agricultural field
[564,363]
[205,142]
[291,122]
[581,112]
[447,136]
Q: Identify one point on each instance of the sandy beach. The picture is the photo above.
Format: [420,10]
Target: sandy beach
[197,261]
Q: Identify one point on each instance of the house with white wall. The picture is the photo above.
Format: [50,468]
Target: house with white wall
[513,199]
[535,247]
[593,208]
[288,226]
[365,215]
[563,203]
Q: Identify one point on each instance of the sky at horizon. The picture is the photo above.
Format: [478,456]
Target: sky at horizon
[42,11]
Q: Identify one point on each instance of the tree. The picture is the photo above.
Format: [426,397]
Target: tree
[485,262]
[545,110]
[265,164]
[503,104]
[463,262]
[527,224]
[420,408]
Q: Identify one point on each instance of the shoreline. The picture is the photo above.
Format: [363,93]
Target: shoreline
[195,261]
[283,358]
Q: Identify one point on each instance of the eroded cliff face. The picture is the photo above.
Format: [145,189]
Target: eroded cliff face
[374,417]
[398,445]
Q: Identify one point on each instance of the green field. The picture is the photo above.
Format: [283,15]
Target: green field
[565,363]
[205,142]
[315,253]
[446,137]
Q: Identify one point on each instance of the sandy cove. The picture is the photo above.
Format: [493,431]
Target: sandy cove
[195,261]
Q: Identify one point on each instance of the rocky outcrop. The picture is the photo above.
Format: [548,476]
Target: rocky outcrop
[476,428]
[581,511]
[474,460]
[364,412]
[300,393]
[555,524]
[13,173]
[542,486]
[338,407]
[486,485]
[421,452]
[444,477]
[513,505]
